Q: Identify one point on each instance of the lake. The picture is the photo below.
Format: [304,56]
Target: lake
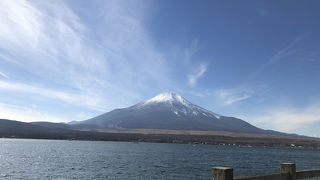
[48,159]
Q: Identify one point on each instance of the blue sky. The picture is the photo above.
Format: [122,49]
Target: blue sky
[71,60]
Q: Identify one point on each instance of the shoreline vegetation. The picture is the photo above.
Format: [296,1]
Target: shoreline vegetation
[16,129]
[185,139]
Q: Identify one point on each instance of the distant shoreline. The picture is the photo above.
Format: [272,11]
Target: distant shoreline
[16,129]
[295,143]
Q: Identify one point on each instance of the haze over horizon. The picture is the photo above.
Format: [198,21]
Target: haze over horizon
[62,61]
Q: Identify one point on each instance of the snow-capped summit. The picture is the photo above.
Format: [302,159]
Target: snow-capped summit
[168,111]
[170,98]
[166,97]
[177,104]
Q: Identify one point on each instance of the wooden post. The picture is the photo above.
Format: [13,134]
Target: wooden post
[289,168]
[222,173]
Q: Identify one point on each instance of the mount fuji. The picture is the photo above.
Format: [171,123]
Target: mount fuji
[168,111]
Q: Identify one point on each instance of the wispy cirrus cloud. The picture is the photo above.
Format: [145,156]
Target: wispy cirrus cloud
[191,51]
[286,51]
[289,119]
[232,96]
[14,112]
[90,101]
[3,75]
[59,56]
[199,72]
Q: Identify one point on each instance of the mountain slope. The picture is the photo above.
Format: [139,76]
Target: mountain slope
[26,130]
[168,111]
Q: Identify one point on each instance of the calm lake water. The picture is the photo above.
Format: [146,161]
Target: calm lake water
[47,159]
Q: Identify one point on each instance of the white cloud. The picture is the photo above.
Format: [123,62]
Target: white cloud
[231,96]
[3,75]
[13,112]
[93,66]
[286,51]
[288,119]
[189,52]
[282,54]
[232,100]
[90,101]
[193,78]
